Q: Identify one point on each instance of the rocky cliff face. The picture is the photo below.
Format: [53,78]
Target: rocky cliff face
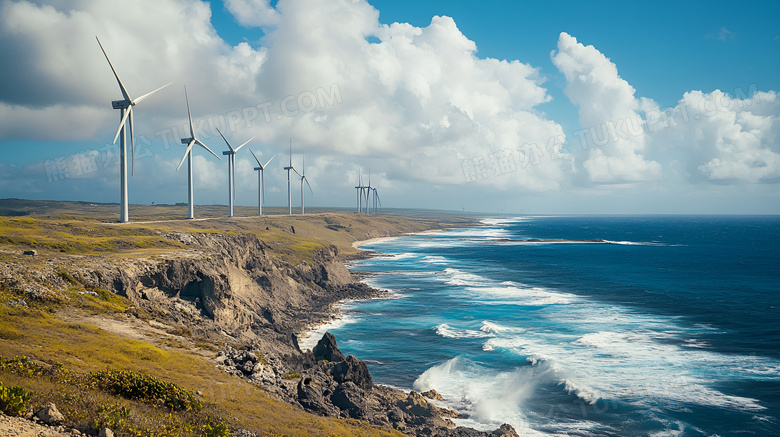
[232,282]
[231,288]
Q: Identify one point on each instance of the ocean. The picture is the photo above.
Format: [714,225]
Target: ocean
[661,326]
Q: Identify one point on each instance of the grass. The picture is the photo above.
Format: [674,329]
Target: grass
[64,327]
[83,348]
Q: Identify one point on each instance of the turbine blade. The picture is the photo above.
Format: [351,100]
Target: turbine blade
[138,100]
[187,152]
[296,172]
[228,143]
[198,142]
[378,199]
[258,161]
[132,143]
[269,161]
[245,143]
[121,124]
[189,114]
[307,183]
[118,80]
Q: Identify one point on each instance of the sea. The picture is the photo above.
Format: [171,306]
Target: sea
[581,326]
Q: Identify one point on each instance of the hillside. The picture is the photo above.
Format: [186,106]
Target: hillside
[213,306]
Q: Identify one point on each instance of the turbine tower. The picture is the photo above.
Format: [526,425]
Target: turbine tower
[125,116]
[289,192]
[260,182]
[302,175]
[368,192]
[376,199]
[191,141]
[359,189]
[231,154]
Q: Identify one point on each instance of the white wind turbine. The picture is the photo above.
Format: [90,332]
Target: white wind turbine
[368,192]
[376,199]
[260,182]
[359,189]
[302,175]
[231,154]
[125,116]
[289,188]
[191,141]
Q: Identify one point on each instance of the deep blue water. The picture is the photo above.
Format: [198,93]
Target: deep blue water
[671,328]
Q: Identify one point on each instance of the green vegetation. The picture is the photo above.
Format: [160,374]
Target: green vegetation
[139,386]
[13,400]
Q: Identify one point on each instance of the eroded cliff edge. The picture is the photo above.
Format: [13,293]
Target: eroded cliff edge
[231,289]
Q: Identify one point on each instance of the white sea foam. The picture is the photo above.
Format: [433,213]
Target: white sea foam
[448,331]
[459,277]
[432,259]
[487,398]
[309,339]
[503,221]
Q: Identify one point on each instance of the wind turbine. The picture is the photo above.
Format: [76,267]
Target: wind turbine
[191,141]
[359,190]
[368,192]
[302,175]
[125,116]
[289,192]
[376,199]
[260,182]
[231,154]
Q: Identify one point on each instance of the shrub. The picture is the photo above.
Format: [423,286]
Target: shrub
[13,399]
[139,386]
[213,429]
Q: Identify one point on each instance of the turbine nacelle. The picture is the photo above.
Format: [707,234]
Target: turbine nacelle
[121,104]
[186,141]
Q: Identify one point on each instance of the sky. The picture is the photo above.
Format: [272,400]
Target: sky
[496,106]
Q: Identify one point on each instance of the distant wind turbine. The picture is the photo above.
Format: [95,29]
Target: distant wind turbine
[368,192]
[289,188]
[231,154]
[376,199]
[359,189]
[302,175]
[260,182]
[125,116]
[191,141]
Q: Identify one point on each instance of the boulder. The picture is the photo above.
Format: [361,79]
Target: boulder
[352,370]
[350,398]
[505,430]
[106,432]
[312,396]
[432,394]
[327,350]
[50,415]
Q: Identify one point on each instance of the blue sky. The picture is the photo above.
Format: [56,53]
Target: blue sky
[430,116]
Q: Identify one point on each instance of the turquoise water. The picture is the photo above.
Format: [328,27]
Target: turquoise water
[669,328]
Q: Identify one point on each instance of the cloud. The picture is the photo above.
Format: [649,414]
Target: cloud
[721,138]
[723,35]
[605,100]
[253,13]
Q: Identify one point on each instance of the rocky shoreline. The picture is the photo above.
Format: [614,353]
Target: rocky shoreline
[230,289]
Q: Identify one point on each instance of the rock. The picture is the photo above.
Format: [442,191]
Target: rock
[505,430]
[327,350]
[31,252]
[352,370]
[432,394]
[106,432]
[311,396]
[350,398]
[50,415]
[242,433]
